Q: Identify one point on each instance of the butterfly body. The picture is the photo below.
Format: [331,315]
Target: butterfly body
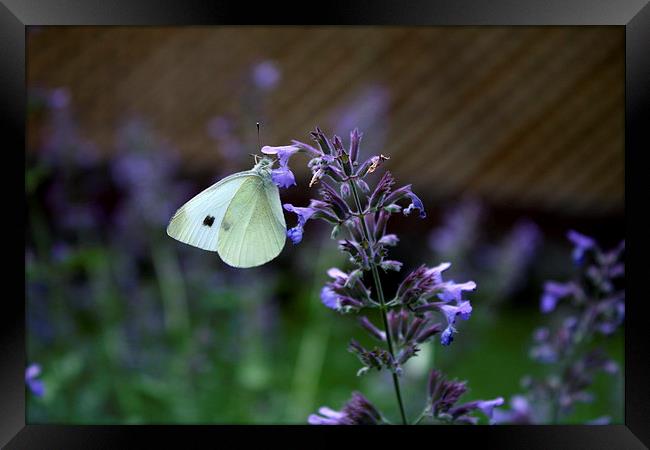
[240,217]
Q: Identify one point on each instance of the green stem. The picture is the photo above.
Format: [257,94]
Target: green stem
[420,417]
[382,303]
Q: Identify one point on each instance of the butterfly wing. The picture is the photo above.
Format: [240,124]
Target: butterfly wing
[198,221]
[253,230]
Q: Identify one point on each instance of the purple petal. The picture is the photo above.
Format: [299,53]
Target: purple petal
[580,240]
[295,234]
[32,371]
[582,244]
[416,203]
[552,293]
[330,413]
[303,213]
[453,291]
[315,419]
[436,272]
[464,310]
[337,273]
[329,298]
[283,152]
[37,387]
[487,406]
[447,336]
[283,177]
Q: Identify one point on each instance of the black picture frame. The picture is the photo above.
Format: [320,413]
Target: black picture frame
[634,15]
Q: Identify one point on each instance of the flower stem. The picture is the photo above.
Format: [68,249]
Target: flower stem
[420,417]
[382,303]
[569,353]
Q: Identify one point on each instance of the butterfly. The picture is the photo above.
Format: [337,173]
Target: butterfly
[240,217]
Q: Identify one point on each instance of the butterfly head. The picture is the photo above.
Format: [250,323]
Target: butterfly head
[263,167]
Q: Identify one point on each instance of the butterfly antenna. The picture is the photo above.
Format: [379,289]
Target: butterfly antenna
[259,142]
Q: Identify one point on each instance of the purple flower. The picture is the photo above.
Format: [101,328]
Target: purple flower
[357,411]
[389,264]
[582,244]
[337,273]
[283,177]
[459,232]
[304,214]
[372,329]
[367,110]
[346,292]
[295,234]
[436,272]
[59,98]
[464,310]
[389,240]
[283,152]
[266,75]
[487,406]
[454,291]
[36,386]
[445,393]
[355,140]
[329,298]
[416,203]
[553,292]
[420,283]
[221,130]
[60,251]
[520,412]
[512,259]
[447,336]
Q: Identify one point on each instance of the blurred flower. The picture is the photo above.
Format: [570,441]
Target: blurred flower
[554,291]
[357,411]
[329,298]
[367,110]
[582,244]
[520,412]
[452,291]
[144,169]
[459,230]
[62,145]
[35,386]
[596,304]
[221,130]
[513,257]
[59,98]
[603,420]
[266,75]
[60,251]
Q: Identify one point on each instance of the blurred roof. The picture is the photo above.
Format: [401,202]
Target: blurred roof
[526,116]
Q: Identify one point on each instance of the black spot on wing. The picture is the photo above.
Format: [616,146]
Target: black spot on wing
[208,221]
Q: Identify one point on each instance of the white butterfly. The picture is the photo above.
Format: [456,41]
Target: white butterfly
[240,217]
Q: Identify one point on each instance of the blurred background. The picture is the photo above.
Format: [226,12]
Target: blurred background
[510,135]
